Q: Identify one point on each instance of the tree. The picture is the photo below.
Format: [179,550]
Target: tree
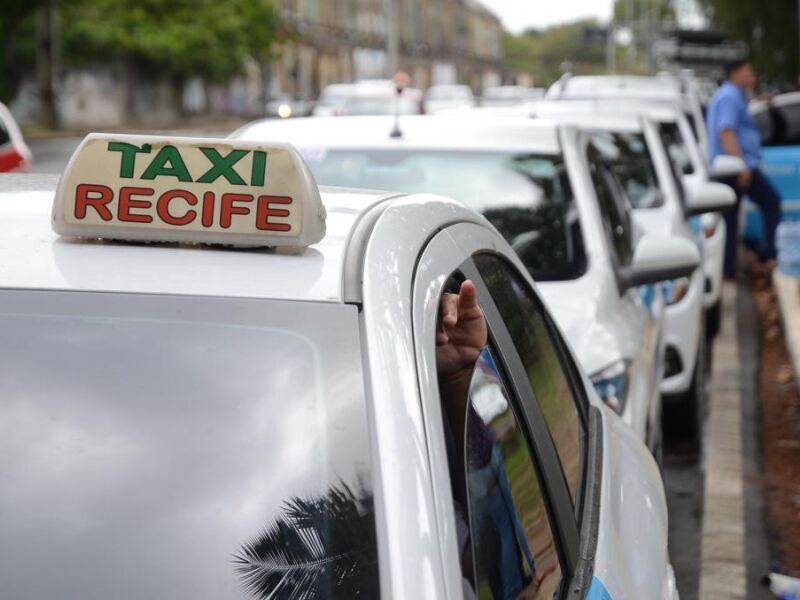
[17,43]
[541,53]
[769,28]
[180,38]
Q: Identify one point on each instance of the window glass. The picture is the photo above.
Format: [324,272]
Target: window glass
[632,165]
[614,213]
[178,447]
[507,549]
[523,316]
[676,147]
[528,198]
[5,137]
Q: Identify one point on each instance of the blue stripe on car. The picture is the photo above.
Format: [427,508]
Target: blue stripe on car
[598,591]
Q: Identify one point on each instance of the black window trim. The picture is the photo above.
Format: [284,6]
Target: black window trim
[619,268]
[555,491]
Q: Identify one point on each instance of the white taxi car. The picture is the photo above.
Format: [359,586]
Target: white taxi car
[689,166]
[547,190]
[662,205]
[219,380]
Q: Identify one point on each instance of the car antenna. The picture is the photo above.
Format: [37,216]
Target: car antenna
[401,81]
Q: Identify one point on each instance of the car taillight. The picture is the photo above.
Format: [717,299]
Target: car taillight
[11,160]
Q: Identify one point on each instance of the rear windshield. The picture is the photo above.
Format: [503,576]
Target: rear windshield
[630,160]
[527,197]
[182,448]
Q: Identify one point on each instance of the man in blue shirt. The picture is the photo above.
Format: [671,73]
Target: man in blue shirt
[731,130]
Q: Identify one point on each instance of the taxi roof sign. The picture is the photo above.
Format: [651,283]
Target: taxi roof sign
[193,190]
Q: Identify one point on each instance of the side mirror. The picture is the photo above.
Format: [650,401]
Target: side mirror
[707,196]
[726,166]
[660,258]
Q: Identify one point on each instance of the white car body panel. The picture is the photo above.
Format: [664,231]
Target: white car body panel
[684,319]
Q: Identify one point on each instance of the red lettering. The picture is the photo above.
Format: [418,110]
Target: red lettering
[228,209]
[264,211]
[127,202]
[208,209]
[162,207]
[96,196]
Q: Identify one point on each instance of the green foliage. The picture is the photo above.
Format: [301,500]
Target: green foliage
[17,42]
[770,28]
[640,10]
[541,53]
[209,38]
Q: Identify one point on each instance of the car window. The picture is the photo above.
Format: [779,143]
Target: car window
[534,341]
[5,136]
[676,147]
[779,124]
[632,165]
[615,216]
[179,447]
[506,546]
[527,197]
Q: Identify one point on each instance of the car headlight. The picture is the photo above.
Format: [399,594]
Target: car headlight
[709,222]
[284,111]
[611,385]
[675,290]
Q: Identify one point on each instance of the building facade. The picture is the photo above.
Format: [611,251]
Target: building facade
[341,41]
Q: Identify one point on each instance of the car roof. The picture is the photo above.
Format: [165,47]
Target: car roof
[589,115]
[430,132]
[614,85]
[622,110]
[33,256]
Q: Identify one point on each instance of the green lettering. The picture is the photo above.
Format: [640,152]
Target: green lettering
[258,172]
[129,152]
[158,168]
[223,166]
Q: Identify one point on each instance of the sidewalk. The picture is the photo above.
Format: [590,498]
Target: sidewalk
[723,567]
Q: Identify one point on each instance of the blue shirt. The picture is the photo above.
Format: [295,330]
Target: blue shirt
[728,110]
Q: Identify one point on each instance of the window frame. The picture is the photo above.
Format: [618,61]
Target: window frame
[449,251]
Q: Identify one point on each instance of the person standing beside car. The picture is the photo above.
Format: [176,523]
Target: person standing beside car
[731,130]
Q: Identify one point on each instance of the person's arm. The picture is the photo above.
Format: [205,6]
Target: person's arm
[460,337]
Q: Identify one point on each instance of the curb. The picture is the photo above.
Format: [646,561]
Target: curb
[723,572]
[787,289]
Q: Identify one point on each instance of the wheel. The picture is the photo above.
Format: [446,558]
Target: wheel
[713,320]
[694,403]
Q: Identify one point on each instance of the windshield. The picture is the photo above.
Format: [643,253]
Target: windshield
[632,165]
[676,147]
[527,197]
[334,98]
[183,448]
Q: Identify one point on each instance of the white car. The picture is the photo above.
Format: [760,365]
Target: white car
[662,89]
[210,363]
[448,97]
[689,165]
[548,192]
[662,204]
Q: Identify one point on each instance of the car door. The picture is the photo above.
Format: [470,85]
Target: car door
[515,508]
[641,310]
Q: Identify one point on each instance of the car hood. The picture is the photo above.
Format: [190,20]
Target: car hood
[588,327]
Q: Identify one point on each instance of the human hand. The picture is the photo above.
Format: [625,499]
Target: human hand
[745,178]
[461,332]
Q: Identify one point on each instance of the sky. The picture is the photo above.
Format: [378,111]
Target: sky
[518,15]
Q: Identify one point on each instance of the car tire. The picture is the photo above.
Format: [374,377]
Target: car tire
[713,320]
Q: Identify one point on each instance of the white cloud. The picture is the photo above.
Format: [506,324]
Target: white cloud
[518,15]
